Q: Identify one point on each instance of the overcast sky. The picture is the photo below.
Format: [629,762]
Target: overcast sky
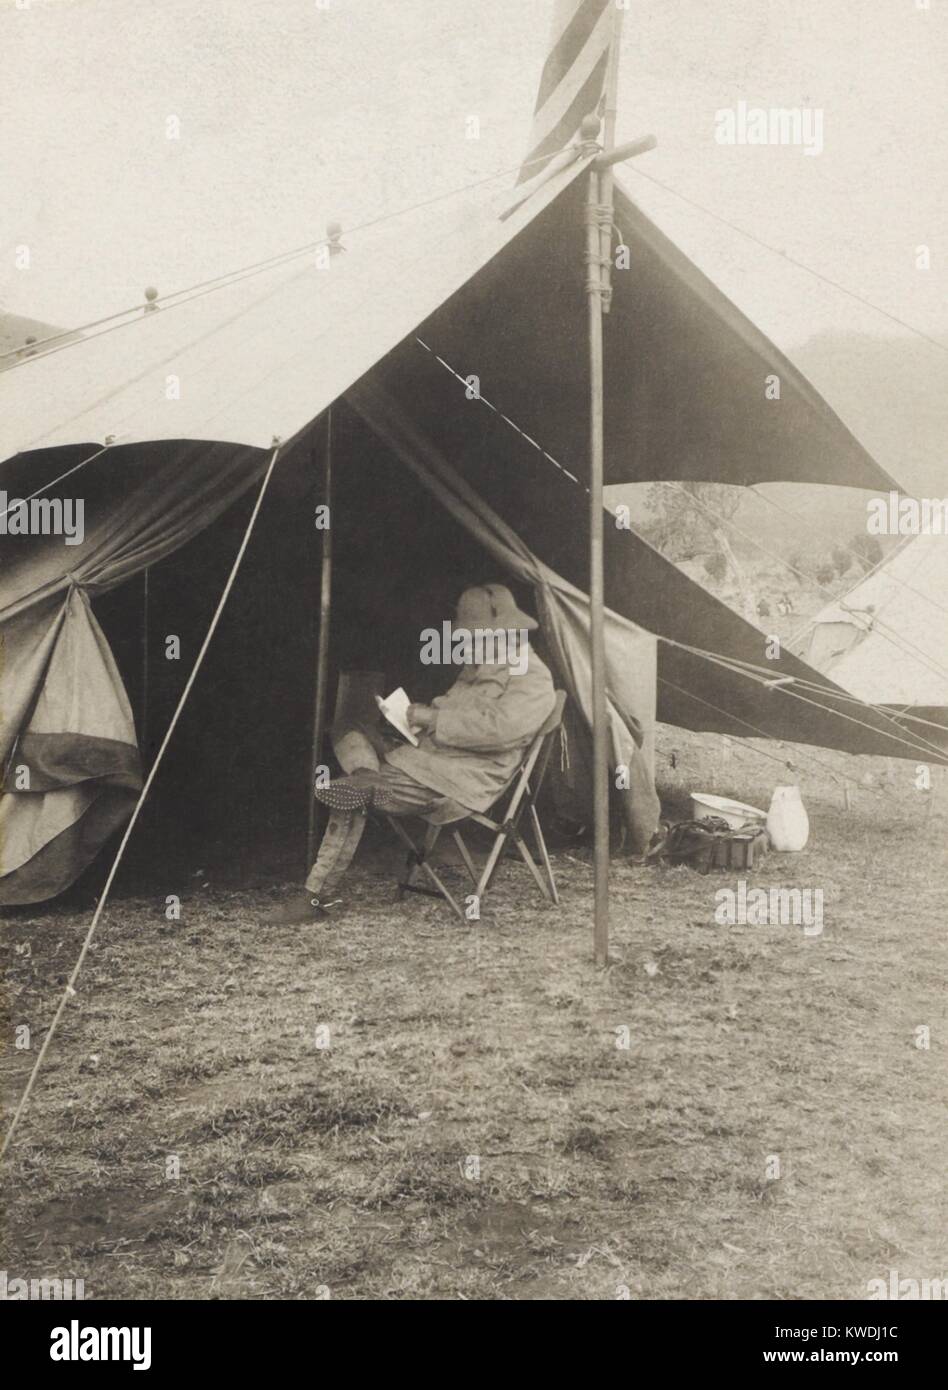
[291,113]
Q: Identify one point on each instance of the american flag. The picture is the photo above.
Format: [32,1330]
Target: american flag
[573,80]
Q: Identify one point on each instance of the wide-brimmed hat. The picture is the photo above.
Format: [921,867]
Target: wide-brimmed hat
[491,605]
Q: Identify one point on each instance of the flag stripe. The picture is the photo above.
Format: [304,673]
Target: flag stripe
[568,48]
[585,101]
[573,82]
[573,77]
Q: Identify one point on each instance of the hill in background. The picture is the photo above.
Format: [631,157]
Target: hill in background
[892,393]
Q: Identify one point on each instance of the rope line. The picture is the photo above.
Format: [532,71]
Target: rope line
[726,714]
[920,593]
[69,471]
[897,713]
[784,255]
[709,656]
[923,656]
[70,986]
[803,683]
[880,564]
[923,745]
[899,639]
[752,673]
[28,353]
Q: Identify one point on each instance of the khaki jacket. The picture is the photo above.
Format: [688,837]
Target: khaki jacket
[482,726]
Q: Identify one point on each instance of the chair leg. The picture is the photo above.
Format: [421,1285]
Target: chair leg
[501,843]
[415,857]
[443,889]
[468,861]
[418,859]
[527,858]
[544,853]
[412,857]
[487,873]
[547,888]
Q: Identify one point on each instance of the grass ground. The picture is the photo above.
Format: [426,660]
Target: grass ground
[395,1107]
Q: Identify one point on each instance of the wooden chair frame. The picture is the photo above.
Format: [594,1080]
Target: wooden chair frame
[522,791]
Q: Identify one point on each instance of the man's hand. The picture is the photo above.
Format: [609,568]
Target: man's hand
[420,716]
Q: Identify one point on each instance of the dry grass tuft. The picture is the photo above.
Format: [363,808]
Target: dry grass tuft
[392,1107]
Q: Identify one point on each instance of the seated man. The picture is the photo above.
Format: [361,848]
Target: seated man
[470,744]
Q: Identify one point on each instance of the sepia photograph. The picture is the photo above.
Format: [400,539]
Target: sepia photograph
[473,668]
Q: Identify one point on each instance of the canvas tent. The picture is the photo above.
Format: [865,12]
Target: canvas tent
[163,420]
[886,640]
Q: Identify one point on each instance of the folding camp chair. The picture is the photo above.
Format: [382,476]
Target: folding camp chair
[521,791]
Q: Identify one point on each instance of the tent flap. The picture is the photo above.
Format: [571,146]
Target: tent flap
[630,652]
[67,735]
[73,771]
[500,298]
[886,640]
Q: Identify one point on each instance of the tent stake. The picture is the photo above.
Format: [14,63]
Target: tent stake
[322,644]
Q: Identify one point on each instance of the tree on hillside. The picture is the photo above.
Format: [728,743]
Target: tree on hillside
[867,549]
[842,559]
[687,516]
[715,566]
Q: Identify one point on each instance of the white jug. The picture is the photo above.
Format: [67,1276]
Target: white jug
[788,824]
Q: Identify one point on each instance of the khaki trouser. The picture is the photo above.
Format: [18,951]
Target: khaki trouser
[360,747]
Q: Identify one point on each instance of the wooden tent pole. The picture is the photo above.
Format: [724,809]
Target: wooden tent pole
[322,644]
[596,588]
[146,642]
[598,252]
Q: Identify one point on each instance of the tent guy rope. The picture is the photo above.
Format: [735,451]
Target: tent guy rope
[53,481]
[867,574]
[70,990]
[720,658]
[761,733]
[27,353]
[898,639]
[792,260]
[922,656]
[765,679]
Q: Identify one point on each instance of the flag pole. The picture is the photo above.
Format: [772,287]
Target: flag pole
[598,256]
[610,110]
[596,587]
[322,644]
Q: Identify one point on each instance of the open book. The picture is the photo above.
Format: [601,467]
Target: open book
[395,709]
